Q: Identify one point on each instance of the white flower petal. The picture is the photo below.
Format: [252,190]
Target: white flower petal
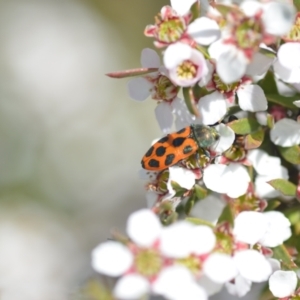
[131,287]
[176,54]
[164,116]
[278,17]
[283,283]
[204,31]
[149,58]
[263,163]
[297,103]
[250,226]
[285,133]
[139,88]
[212,108]
[143,227]
[231,65]
[182,7]
[209,209]
[215,178]
[278,229]
[287,75]
[252,265]
[265,190]
[275,264]
[219,267]
[227,137]
[240,287]
[238,180]
[252,98]
[184,177]
[175,276]
[259,64]
[111,258]
[203,241]
[170,245]
[289,55]
[250,8]
[262,117]
[210,286]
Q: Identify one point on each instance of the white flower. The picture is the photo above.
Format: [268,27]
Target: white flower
[111,258]
[283,283]
[232,180]
[158,86]
[267,168]
[270,229]
[209,208]
[193,239]
[278,231]
[252,98]
[130,287]
[177,283]
[220,267]
[252,265]
[285,133]
[287,67]
[231,54]
[212,108]
[204,30]
[186,65]
[239,287]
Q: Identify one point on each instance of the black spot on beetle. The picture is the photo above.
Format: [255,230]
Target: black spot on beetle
[169,159]
[160,151]
[187,149]
[163,140]
[178,141]
[149,152]
[181,130]
[153,163]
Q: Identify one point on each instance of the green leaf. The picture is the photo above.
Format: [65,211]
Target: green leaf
[244,126]
[189,99]
[281,100]
[267,53]
[227,215]
[281,253]
[272,204]
[254,139]
[286,187]
[290,154]
[200,192]
[232,110]
[297,4]
[270,121]
[178,189]
[190,204]
[268,83]
[131,72]
[195,10]
[198,221]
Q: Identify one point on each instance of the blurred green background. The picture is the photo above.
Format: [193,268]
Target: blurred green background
[71,139]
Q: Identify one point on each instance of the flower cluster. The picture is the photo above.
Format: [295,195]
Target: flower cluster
[223,184]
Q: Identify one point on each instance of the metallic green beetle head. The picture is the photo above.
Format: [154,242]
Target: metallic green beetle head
[205,136]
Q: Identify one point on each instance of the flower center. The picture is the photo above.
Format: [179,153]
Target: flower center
[294,34]
[193,263]
[148,262]
[249,34]
[187,70]
[164,89]
[224,87]
[170,31]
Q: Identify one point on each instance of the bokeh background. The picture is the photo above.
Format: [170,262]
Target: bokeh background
[71,139]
